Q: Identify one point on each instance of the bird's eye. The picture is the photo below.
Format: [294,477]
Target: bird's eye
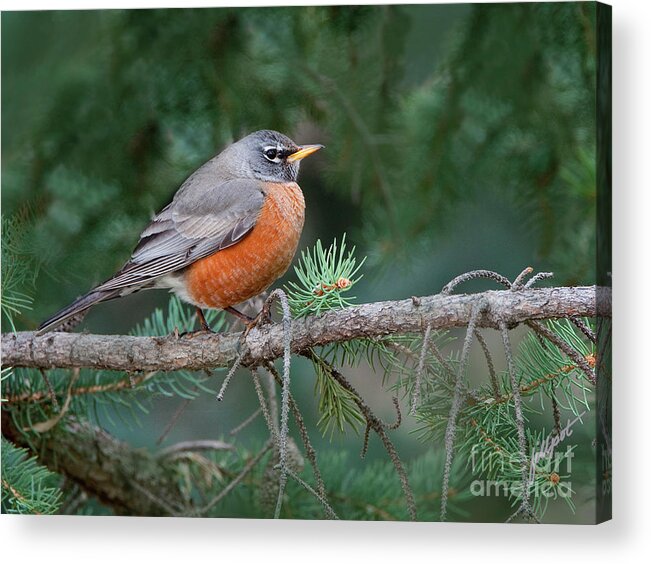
[271,154]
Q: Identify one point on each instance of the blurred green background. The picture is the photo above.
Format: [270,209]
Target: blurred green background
[457,137]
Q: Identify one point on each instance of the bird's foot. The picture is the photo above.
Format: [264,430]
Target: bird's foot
[263,318]
[204,328]
[193,333]
[249,322]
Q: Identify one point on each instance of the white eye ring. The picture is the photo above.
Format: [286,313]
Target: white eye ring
[272,153]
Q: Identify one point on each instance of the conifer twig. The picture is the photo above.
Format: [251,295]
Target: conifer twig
[273,403]
[107,468]
[250,465]
[284,405]
[528,513]
[557,414]
[519,281]
[578,359]
[415,399]
[330,513]
[396,424]
[537,278]
[235,430]
[265,410]
[35,397]
[175,417]
[203,444]
[489,362]
[519,417]
[367,432]
[302,430]
[445,364]
[578,322]
[162,503]
[236,364]
[472,275]
[457,400]
[379,427]
[50,391]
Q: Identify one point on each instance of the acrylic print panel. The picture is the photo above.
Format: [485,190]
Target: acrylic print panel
[396,302]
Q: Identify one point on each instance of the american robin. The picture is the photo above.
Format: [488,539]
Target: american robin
[231,230]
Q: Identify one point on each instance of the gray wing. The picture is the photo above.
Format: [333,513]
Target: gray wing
[198,223]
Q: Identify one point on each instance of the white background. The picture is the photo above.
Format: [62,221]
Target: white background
[626,538]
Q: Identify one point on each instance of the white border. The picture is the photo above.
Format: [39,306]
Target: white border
[69,539]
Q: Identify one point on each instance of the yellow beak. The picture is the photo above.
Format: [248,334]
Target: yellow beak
[303,151]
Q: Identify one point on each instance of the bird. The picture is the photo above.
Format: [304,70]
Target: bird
[230,231]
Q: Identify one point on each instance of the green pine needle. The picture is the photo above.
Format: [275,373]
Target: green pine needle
[27,487]
[325,276]
[18,269]
[336,404]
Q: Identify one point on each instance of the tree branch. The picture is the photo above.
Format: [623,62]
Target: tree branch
[131,481]
[206,351]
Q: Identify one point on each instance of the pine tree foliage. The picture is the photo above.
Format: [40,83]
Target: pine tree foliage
[324,278]
[18,268]
[487,428]
[404,145]
[27,487]
[372,493]
[130,113]
[336,404]
[546,368]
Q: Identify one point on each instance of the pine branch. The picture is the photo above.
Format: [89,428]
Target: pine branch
[131,481]
[27,487]
[377,425]
[199,351]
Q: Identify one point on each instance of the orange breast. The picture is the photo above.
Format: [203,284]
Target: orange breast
[249,267]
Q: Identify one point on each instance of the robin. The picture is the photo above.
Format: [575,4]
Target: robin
[230,231]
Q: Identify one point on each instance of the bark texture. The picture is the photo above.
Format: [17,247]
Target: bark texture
[131,481]
[206,351]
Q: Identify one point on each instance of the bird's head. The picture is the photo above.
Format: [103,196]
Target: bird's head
[266,155]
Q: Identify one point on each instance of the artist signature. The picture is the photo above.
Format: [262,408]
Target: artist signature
[548,446]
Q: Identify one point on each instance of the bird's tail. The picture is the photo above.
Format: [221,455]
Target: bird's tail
[79,306]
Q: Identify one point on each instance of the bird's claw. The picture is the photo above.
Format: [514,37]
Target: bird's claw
[189,334]
[263,318]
